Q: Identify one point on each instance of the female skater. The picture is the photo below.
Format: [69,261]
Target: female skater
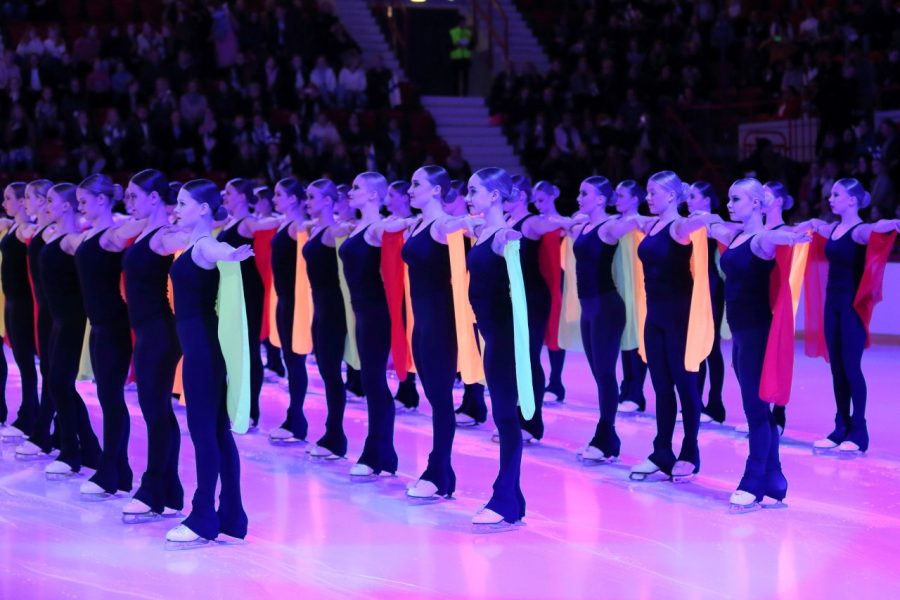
[532,227]
[78,443]
[776,200]
[629,197]
[748,263]
[602,308]
[19,310]
[361,256]
[666,255]
[397,203]
[40,442]
[99,261]
[329,326]
[195,282]
[845,330]
[146,265]
[703,200]
[238,231]
[289,198]
[545,195]
[427,254]
[489,293]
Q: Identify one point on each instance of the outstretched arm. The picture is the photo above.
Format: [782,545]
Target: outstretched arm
[765,243]
[503,237]
[862,233]
[118,236]
[213,251]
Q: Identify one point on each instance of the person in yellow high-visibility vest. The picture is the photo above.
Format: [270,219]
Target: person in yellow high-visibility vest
[462,39]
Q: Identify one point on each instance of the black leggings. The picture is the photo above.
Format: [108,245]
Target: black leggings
[46,414]
[435,352]
[748,353]
[78,443]
[217,456]
[634,374]
[665,339]
[329,330]
[156,354]
[500,372]
[373,339]
[602,324]
[714,363]
[298,379]
[253,297]
[538,314]
[19,318]
[110,348]
[845,336]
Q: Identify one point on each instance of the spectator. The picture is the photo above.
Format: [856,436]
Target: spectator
[323,135]
[457,166]
[46,115]
[114,135]
[461,40]
[98,83]
[30,44]
[19,140]
[87,47]
[379,81]
[54,46]
[884,196]
[193,104]
[566,136]
[352,83]
[322,76]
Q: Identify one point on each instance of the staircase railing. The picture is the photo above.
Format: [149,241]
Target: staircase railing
[495,21]
[397,22]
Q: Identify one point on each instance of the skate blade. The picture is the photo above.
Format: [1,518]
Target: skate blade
[593,462]
[683,478]
[648,477]
[148,517]
[467,425]
[364,478]
[430,500]
[177,546]
[327,458]
[286,443]
[32,457]
[501,527]
[60,476]
[96,497]
[777,505]
[740,509]
[11,439]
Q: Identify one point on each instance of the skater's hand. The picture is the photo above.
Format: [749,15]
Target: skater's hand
[802,237]
[503,237]
[242,253]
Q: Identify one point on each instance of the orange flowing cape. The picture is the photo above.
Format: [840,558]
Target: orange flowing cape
[701,325]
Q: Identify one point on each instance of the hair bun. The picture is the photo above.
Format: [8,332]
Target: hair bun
[221,213]
[866,200]
[118,193]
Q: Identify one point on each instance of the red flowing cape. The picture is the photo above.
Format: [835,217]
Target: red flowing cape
[393,272]
[550,266]
[262,251]
[778,364]
[868,294]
